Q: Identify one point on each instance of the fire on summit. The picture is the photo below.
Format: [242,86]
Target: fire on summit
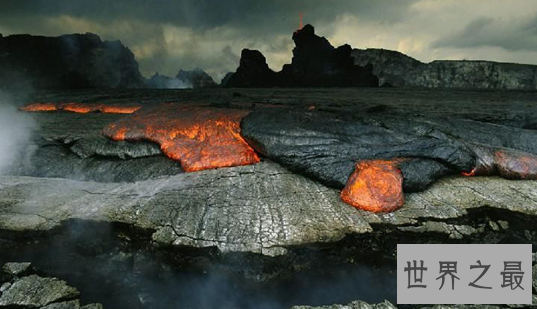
[267,154]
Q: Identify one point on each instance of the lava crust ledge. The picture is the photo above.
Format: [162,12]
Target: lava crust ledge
[262,208]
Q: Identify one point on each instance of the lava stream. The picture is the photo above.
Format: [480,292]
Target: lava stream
[375,185]
[199,138]
[82,108]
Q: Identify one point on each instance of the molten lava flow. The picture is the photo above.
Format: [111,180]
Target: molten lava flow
[375,185]
[78,108]
[469,174]
[200,138]
[39,107]
[83,108]
[111,109]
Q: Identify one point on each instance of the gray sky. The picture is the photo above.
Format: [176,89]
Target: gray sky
[167,35]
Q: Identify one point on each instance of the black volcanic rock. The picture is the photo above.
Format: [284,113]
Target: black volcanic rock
[67,61]
[315,63]
[197,78]
[226,79]
[326,146]
[253,71]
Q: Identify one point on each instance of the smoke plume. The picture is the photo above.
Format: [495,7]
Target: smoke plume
[15,131]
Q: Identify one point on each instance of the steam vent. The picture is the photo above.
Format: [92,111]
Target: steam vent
[131,178]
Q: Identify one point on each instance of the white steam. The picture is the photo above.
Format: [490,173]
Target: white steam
[15,132]
[175,83]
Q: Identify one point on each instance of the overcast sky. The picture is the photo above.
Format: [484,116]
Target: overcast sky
[167,35]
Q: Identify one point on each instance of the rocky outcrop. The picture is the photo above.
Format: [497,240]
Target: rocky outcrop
[24,289]
[67,61]
[197,78]
[397,69]
[315,63]
[391,67]
[480,74]
[253,71]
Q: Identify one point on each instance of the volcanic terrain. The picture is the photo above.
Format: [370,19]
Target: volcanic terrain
[267,184]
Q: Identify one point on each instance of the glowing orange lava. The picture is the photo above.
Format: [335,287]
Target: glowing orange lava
[114,109]
[375,185]
[82,108]
[39,107]
[469,174]
[199,138]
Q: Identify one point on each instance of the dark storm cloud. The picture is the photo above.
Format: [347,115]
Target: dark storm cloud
[168,35]
[266,14]
[514,35]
